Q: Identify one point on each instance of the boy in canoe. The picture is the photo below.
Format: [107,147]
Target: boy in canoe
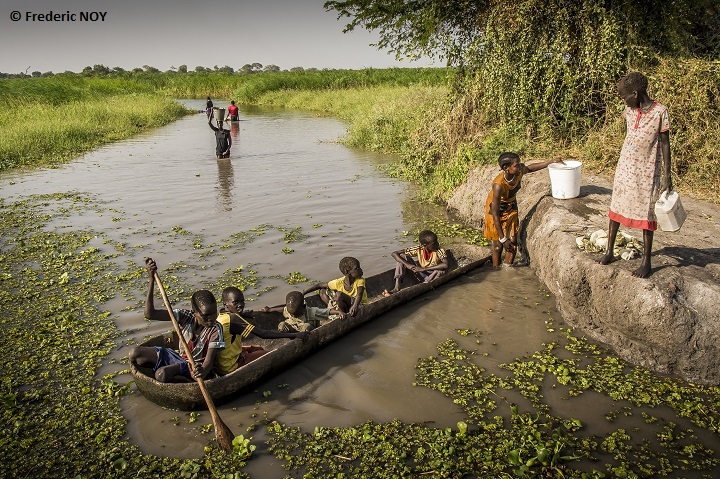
[301,317]
[233,325]
[200,329]
[345,294]
[426,260]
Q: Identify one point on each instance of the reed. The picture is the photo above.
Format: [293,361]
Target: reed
[39,133]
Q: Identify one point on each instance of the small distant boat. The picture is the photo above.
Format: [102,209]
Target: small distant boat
[287,352]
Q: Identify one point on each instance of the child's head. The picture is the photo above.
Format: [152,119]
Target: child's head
[350,266]
[204,307]
[233,300]
[429,240]
[632,87]
[295,303]
[232,102]
[508,159]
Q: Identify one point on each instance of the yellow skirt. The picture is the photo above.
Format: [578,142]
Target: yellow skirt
[509,222]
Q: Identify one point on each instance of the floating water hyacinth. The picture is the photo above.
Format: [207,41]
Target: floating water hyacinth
[626,247]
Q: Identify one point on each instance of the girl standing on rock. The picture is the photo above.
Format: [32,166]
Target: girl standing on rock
[637,177]
[501,209]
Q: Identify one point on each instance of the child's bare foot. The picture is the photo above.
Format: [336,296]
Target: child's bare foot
[607,258]
[643,271]
[387,293]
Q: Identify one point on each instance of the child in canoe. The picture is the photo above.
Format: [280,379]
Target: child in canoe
[200,329]
[301,317]
[233,325]
[345,294]
[426,260]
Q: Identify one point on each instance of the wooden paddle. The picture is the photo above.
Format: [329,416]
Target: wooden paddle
[223,433]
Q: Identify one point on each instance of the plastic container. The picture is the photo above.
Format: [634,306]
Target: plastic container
[669,211]
[565,179]
[219,114]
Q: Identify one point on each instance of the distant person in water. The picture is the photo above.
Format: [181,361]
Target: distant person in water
[209,107]
[233,112]
[223,140]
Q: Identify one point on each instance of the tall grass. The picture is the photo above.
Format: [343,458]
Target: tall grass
[41,133]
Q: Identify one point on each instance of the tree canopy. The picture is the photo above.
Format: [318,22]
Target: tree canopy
[540,64]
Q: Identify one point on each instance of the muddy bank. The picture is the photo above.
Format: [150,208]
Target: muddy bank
[669,322]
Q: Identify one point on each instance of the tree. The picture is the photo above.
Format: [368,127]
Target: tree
[149,69]
[247,68]
[271,68]
[201,69]
[182,69]
[297,69]
[536,65]
[226,69]
[257,67]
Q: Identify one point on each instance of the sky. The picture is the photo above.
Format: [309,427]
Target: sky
[170,33]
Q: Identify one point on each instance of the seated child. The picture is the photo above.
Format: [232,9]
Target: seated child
[300,317]
[347,293]
[233,324]
[426,260]
[201,331]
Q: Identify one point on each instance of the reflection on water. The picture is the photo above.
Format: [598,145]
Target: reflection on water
[226,181]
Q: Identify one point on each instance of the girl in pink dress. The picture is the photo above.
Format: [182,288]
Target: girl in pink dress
[644,160]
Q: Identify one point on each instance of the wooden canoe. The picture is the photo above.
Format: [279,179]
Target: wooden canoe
[286,352]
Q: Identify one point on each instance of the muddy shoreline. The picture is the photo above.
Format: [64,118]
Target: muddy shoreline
[668,322]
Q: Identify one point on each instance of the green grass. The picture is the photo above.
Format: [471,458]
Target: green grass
[38,133]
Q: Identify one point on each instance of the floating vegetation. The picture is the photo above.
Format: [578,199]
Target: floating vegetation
[451,230]
[515,442]
[293,278]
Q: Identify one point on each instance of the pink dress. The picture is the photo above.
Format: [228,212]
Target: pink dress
[639,169]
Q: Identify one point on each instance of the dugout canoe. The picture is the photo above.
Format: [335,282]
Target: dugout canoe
[287,352]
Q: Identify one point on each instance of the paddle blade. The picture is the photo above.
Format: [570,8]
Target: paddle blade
[223,434]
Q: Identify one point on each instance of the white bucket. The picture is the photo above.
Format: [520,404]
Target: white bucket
[565,179]
[219,114]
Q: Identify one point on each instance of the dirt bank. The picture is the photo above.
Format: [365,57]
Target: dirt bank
[669,322]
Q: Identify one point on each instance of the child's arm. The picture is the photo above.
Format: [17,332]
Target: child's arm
[356,303]
[664,140]
[150,311]
[274,309]
[202,370]
[397,256]
[214,128]
[540,165]
[495,210]
[443,264]
[240,327]
[315,287]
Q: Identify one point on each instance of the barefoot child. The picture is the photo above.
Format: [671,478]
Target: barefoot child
[644,157]
[346,293]
[200,329]
[501,209]
[233,324]
[427,260]
[300,317]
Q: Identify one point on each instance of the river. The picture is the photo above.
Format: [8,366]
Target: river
[286,173]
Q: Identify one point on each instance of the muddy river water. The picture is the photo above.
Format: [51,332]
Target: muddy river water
[286,170]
